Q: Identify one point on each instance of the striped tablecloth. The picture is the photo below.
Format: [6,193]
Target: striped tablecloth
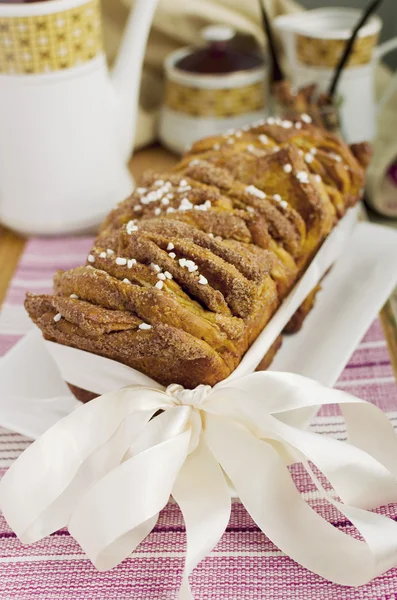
[245,565]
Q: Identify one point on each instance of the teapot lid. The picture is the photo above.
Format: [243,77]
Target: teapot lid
[218,56]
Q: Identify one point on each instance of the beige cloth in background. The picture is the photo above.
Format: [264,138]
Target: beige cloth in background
[178,23]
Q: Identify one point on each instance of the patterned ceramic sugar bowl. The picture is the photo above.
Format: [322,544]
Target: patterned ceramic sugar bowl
[211,90]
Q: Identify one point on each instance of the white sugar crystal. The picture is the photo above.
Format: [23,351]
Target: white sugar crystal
[159,285]
[335,156]
[131,227]
[137,208]
[318,178]
[185,204]
[57,318]
[170,246]
[131,262]
[159,182]
[144,326]
[141,190]
[216,147]
[211,235]
[126,280]
[250,209]
[182,262]
[271,121]
[306,118]
[168,275]
[277,197]
[121,261]
[203,280]
[276,148]
[286,124]
[302,176]
[74,296]
[91,258]
[263,139]
[309,157]
[161,276]
[313,151]
[165,201]
[102,255]
[172,254]
[157,211]
[251,189]
[284,204]
[191,266]
[170,209]
[287,168]
[155,267]
[109,252]
[298,125]
[183,182]
[300,152]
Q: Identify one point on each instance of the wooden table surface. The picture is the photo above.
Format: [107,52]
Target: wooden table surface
[155,157]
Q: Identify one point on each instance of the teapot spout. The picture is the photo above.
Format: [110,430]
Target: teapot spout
[126,75]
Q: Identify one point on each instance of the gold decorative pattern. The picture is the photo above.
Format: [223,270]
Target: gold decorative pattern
[46,43]
[320,52]
[226,102]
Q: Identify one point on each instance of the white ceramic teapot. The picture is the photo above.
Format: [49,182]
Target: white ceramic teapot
[66,124]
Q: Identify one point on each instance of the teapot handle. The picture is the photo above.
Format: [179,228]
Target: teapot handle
[380,52]
[126,75]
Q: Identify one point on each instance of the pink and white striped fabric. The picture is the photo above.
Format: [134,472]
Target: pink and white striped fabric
[245,565]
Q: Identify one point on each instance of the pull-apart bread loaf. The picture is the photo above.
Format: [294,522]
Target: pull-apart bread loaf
[185,273]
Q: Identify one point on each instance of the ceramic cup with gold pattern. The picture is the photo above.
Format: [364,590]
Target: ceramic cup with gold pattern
[201,104]
[314,42]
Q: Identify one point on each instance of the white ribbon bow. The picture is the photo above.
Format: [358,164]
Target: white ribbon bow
[108,469]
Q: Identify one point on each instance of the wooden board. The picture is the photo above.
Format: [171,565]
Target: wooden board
[154,157]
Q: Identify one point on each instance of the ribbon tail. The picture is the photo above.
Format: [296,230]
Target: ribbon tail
[203,496]
[39,491]
[278,509]
[108,521]
[378,531]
